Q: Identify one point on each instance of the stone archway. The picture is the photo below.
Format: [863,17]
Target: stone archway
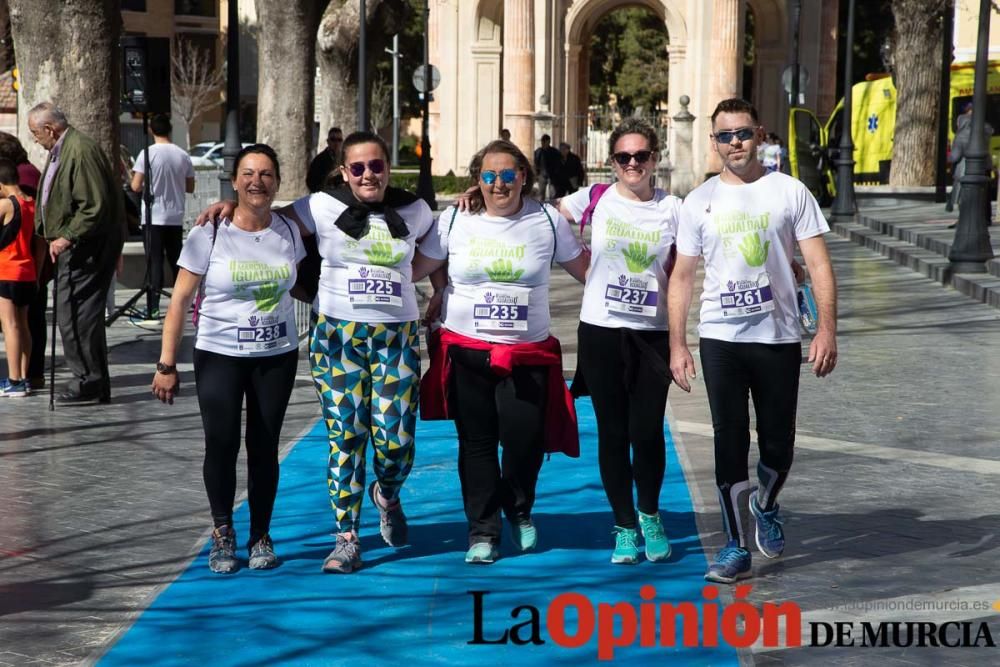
[581,19]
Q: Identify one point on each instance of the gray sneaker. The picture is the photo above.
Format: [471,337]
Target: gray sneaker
[222,557]
[262,556]
[345,557]
[392,521]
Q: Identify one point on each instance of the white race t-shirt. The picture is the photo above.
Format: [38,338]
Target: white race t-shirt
[630,242]
[498,270]
[247,311]
[370,279]
[171,166]
[747,234]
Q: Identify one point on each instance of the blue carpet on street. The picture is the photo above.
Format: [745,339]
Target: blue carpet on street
[412,606]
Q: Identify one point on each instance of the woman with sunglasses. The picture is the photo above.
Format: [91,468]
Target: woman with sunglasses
[363,346]
[498,372]
[623,348]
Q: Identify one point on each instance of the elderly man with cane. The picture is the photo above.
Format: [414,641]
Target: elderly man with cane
[82,215]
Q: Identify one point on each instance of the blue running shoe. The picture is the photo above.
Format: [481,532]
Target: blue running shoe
[626,546]
[14,389]
[769,535]
[657,544]
[731,563]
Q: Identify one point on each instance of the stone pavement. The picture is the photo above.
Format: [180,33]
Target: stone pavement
[893,500]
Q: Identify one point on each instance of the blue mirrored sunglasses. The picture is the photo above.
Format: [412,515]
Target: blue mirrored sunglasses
[508,176]
[726,136]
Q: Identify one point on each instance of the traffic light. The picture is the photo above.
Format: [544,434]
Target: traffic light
[15,82]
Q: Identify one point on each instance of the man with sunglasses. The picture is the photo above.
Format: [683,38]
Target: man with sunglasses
[325,162]
[746,222]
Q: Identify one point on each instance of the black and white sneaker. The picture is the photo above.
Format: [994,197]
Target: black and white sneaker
[262,556]
[222,557]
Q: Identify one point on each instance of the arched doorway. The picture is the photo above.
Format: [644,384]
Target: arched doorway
[627,75]
[581,22]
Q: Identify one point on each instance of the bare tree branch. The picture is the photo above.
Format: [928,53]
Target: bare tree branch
[195,84]
[380,110]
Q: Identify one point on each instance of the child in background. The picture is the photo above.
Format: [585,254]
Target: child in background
[18,279]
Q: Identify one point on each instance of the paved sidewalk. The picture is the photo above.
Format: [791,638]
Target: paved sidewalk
[893,500]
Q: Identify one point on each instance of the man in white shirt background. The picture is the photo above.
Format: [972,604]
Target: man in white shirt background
[172,177]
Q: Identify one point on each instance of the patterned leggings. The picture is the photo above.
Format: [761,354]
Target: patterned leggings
[367,377]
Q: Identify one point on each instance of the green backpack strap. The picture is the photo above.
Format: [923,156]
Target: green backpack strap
[454,212]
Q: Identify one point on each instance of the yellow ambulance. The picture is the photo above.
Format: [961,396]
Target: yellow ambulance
[873,129]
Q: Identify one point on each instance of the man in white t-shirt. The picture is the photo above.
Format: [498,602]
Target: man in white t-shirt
[172,177]
[746,223]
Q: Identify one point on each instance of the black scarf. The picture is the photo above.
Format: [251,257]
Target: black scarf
[354,220]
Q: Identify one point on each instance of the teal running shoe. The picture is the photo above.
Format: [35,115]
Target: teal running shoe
[626,546]
[482,553]
[657,544]
[524,534]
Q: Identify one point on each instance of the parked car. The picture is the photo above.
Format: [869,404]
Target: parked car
[208,154]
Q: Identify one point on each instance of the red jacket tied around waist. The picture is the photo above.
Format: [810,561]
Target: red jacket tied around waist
[560,414]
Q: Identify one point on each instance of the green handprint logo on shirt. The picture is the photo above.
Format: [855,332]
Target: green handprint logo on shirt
[753,252]
[380,254]
[267,297]
[635,257]
[502,271]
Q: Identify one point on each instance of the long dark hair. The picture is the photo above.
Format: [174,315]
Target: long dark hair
[476,203]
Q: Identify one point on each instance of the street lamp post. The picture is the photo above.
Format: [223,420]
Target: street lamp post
[394,52]
[844,204]
[794,17]
[425,184]
[971,248]
[232,145]
[362,70]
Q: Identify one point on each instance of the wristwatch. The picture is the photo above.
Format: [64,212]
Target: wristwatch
[164,369]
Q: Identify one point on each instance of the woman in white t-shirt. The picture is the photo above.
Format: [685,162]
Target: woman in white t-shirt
[363,347]
[623,353]
[246,345]
[498,370]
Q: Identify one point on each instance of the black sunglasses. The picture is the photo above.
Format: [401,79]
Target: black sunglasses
[624,158]
[357,169]
[726,136]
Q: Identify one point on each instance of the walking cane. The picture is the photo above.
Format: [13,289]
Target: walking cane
[52,365]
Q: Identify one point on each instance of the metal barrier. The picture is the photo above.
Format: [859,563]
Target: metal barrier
[206,191]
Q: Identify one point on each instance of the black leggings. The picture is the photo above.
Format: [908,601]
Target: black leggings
[629,411]
[163,239]
[769,374]
[491,410]
[222,382]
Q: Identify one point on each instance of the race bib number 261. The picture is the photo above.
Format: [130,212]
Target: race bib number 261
[745,297]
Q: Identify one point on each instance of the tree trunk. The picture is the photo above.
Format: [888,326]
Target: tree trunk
[6,41]
[337,52]
[67,53]
[285,91]
[917,68]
